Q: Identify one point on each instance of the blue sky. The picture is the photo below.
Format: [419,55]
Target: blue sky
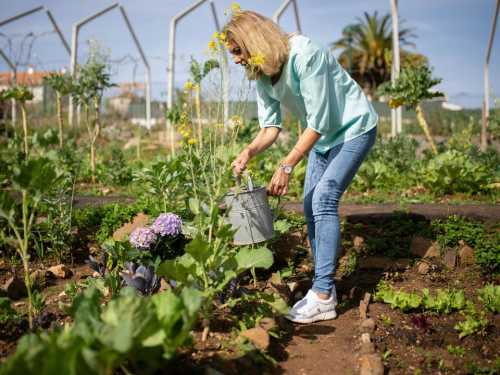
[452,33]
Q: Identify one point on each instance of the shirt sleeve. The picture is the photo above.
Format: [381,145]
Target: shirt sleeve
[268,108]
[313,75]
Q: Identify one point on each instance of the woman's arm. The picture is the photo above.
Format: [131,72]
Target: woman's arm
[304,144]
[262,141]
[279,182]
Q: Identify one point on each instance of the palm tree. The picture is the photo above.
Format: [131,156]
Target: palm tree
[366,49]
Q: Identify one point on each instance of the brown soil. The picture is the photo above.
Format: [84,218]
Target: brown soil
[331,347]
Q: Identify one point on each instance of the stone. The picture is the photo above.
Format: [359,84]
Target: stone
[363,310]
[358,243]
[423,268]
[367,348]
[368,326]
[15,288]
[433,251]
[374,262]
[257,336]
[371,364]
[61,271]
[140,220]
[419,246]
[365,337]
[466,256]
[450,259]
[267,323]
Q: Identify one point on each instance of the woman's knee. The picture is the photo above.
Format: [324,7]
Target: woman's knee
[325,199]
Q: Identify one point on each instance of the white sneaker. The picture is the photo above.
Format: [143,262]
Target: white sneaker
[311,308]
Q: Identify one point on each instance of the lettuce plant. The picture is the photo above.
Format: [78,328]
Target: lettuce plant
[490,297]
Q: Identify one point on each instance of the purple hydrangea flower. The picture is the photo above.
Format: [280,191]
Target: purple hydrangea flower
[167,225]
[142,238]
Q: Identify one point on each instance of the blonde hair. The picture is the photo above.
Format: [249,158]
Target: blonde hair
[257,35]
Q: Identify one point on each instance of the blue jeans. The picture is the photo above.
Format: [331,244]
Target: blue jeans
[327,177]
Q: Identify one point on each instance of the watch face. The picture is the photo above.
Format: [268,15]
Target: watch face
[287,169]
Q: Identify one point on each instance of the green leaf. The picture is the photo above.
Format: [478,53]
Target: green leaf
[199,249]
[36,176]
[192,300]
[194,206]
[282,226]
[248,258]
[178,269]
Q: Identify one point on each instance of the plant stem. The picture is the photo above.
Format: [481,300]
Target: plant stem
[198,114]
[25,129]
[23,249]
[59,117]
[425,127]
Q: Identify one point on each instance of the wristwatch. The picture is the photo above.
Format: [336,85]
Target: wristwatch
[286,168]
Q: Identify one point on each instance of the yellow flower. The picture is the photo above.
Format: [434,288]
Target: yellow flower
[257,60]
[188,86]
[234,10]
[191,141]
[222,37]
[235,7]
[212,45]
[215,36]
[236,120]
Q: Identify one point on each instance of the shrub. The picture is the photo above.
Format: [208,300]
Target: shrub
[455,172]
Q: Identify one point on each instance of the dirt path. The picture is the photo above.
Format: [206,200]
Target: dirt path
[484,212]
[324,347]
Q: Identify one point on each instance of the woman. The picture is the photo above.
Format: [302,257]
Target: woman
[340,128]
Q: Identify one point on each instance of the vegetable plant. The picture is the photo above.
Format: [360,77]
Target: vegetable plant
[30,181]
[132,333]
[490,297]
[210,263]
[475,322]
[411,87]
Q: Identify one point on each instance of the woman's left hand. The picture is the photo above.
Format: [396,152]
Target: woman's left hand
[279,183]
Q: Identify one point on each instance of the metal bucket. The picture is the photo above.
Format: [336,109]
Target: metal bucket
[249,214]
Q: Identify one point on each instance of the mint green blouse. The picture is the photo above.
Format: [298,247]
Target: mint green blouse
[315,88]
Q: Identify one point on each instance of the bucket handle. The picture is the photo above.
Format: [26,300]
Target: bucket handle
[249,180]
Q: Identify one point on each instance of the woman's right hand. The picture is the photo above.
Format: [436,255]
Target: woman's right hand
[240,163]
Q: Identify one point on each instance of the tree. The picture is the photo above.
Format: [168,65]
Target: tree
[411,87]
[366,49]
[63,85]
